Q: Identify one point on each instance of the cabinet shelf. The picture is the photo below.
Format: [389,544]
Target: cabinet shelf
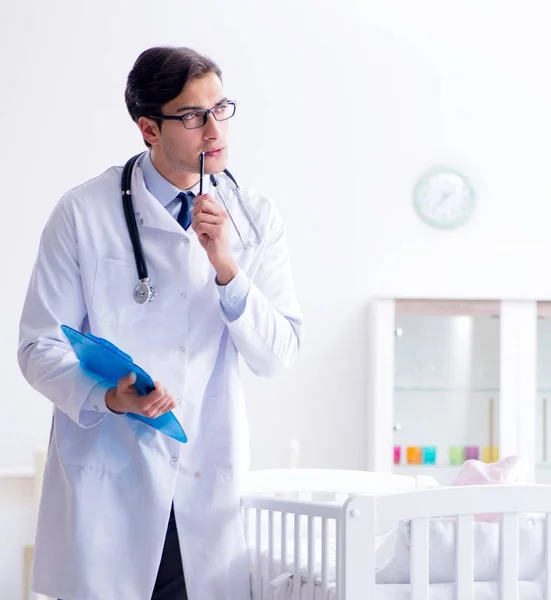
[426,466]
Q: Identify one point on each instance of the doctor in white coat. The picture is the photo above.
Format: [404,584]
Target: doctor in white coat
[126,512]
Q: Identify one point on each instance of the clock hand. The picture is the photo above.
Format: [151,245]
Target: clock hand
[444,196]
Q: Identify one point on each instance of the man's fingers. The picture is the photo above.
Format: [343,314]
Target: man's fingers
[154,396]
[158,392]
[155,402]
[150,407]
[206,204]
[163,408]
[160,400]
[125,383]
[201,218]
[212,231]
[159,386]
[159,407]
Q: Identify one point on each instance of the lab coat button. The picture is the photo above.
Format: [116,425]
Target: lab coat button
[174,459]
[183,295]
[185,240]
[182,349]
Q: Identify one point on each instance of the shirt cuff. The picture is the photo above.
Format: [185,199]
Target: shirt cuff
[96,398]
[233,296]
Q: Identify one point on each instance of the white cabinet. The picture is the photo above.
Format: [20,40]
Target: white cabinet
[452,380]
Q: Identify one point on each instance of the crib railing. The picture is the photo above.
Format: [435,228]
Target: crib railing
[507,503]
[274,524]
[293,534]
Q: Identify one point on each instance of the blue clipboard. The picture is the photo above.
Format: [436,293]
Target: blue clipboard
[103,361]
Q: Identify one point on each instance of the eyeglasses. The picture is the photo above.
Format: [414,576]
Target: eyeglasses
[198,118]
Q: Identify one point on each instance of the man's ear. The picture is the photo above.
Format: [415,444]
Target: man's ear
[150,130]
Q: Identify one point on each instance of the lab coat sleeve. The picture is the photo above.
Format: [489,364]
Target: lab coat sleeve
[55,297]
[268,332]
[233,296]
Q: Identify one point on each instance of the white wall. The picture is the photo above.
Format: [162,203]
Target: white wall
[341,107]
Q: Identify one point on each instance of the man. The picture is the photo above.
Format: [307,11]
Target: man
[128,513]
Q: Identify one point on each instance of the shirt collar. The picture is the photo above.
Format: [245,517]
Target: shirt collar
[158,186]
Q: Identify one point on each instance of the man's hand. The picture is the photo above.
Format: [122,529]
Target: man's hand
[209,221]
[125,399]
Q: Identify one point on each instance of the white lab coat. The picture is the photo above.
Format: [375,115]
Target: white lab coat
[109,481]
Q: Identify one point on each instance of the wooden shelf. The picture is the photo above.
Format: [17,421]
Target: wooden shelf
[16,472]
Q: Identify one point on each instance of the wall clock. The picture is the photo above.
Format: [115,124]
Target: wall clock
[443,198]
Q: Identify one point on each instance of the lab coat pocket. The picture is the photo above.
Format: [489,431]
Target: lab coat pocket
[106,447]
[112,299]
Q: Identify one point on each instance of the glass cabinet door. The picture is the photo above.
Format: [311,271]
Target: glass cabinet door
[543,395]
[446,392]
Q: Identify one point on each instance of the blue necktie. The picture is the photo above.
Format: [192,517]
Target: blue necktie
[184,216]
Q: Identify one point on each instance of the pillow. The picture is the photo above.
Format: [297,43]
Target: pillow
[442,553]
[384,548]
[474,472]
[505,471]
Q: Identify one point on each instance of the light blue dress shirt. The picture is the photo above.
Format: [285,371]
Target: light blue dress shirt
[233,296]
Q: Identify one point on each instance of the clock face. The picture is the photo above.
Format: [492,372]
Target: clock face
[444,198]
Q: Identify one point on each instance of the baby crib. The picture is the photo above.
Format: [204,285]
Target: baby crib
[340,535]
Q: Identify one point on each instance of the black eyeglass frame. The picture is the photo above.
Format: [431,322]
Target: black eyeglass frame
[204,111]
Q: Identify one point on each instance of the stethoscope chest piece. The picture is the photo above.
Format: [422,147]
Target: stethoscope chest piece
[143,292]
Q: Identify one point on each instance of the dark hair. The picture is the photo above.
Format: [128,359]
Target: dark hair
[159,75]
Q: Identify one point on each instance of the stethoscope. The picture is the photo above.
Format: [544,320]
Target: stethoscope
[144,292]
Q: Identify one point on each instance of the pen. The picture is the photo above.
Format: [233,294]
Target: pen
[202,172]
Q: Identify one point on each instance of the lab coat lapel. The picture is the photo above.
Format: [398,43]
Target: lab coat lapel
[150,213]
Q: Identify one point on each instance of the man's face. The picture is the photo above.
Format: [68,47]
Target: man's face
[179,148]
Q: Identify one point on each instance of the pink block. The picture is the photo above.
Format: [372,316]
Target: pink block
[397,454]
